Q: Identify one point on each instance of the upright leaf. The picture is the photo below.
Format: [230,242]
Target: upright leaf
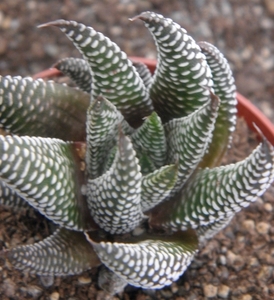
[225,89]
[114,197]
[113,75]
[182,71]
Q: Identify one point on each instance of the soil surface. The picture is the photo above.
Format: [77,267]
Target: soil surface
[239,262]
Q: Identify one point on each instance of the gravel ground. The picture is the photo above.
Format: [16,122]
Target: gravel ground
[239,262]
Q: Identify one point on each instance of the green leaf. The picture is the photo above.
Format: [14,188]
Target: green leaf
[150,139]
[102,131]
[157,186]
[65,252]
[212,196]
[144,73]
[9,198]
[39,108]
[114,197]
[113,75]
[46,173]
[189,137]
[182,71]
[225,89]
[149,263]
[78,70]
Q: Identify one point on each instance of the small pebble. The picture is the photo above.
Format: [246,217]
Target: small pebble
[54,296]
[268,207]
[263,228]
[84,280]
[223,291]
[210,290]
[246,297]
[249,225]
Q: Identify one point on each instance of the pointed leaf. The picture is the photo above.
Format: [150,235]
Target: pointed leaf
[225,89]
[114,197]
[213,196]
[150,139]
[151,263]
[102,131]
[78,70]
[113,75]
[35,107]
[46,173]
[157,186]
[65,252]
[189,137]
[182,72]
[146,164]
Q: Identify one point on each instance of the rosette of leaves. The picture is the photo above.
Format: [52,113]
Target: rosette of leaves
[127,163]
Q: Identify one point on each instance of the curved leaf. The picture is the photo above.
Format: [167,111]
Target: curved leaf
[46,173]
[213,196]
[39,108]
[113,75]
[182,72]
[188,139]
[78,70]
[150,263]
[65,252]
[225,89]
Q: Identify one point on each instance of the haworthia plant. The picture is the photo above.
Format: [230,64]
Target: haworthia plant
[126,163]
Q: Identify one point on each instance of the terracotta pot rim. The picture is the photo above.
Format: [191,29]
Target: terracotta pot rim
[246,109]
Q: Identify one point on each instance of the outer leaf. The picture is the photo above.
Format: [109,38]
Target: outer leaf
[213,196]
[45,172]
[78,70]
[182,72]
[9,198]
[27,105]
[225,89]
[150,139]
[114,197]
[189,137]
[151,263]
[65,252]
[157,186]
[113,75]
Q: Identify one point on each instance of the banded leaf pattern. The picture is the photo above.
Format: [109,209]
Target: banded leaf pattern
[225,89]
[78,70]
[182,71]
[9,197]
[148,264]
[150,139]
[213,196]
[27,105]
[113,75]
[114,198]
[157,186]
[43,172]
[189,137]
[56,255]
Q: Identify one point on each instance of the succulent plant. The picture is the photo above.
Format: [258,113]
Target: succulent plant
[127,164]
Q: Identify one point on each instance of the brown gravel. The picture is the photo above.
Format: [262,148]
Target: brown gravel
[239,262]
